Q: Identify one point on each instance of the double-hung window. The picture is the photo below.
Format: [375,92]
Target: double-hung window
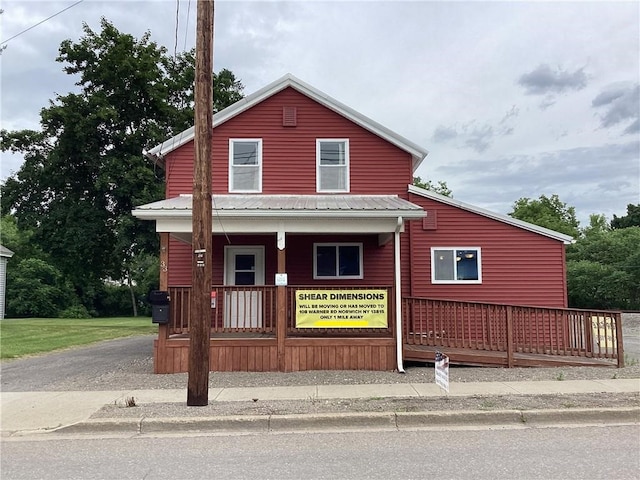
[337,260]
[456,265]
[245,165]
[332,165]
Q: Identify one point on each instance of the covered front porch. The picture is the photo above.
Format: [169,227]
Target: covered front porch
[268,249]
[244,344]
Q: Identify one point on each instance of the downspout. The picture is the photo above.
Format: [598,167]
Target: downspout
[398,290]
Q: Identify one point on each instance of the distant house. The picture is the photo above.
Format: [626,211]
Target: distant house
[320,241]
[5,255]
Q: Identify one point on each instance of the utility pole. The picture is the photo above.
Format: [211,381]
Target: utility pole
[200,325]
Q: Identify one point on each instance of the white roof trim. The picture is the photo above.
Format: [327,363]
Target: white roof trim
[495,216]
[418,153]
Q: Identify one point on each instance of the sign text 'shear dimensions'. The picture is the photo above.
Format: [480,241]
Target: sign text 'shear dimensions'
[341,309]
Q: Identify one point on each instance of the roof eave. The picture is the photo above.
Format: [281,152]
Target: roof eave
[151,214]
[566,239]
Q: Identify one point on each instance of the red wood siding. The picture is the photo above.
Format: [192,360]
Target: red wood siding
[518,267]
[289,153]
[180,255]
[179,171]
[378,260]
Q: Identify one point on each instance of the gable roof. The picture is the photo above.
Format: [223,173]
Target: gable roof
[494,216]
[417,153]
[5,252]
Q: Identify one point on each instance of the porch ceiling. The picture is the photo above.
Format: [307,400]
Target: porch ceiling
[286,213]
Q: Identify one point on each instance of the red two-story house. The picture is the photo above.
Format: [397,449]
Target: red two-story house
[320,243]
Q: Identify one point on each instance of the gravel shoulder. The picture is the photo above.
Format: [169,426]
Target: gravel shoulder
[127,364]
[415,373]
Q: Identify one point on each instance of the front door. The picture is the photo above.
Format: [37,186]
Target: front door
[244,267]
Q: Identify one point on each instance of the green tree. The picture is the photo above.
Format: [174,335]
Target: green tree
[84,171]
[547,212]
[597,225]
[440,188]
[603,269]
[36,288]
[632,219]
[594,285]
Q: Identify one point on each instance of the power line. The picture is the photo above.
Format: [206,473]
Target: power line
[40,22]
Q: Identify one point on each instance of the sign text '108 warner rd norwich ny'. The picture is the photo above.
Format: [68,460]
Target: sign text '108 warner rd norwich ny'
[341,309]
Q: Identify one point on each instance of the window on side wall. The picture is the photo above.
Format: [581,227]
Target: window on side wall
[332,165]
[342,260]
[456,265]
[245,165]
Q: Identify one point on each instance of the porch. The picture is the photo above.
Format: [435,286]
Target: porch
[246,334]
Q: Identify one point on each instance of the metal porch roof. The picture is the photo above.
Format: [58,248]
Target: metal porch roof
[352,206]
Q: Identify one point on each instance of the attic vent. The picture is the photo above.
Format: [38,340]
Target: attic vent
[289,117]
[430,222]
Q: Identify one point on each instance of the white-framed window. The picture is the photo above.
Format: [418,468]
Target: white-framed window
[245,165]
[337,260]
[456,265]
[332,165]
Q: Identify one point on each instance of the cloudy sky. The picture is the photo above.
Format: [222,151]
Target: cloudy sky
[512,99]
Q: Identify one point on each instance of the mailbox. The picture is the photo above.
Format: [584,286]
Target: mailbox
[159,300]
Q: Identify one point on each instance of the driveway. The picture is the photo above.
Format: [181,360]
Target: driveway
[79,368]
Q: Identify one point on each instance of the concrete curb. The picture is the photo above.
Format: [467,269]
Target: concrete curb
[352,421]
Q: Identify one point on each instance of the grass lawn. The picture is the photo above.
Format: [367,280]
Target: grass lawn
[29,336]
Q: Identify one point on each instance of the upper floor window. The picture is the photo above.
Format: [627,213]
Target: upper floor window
[245,165]
[456,265]
[332,165]
[337,260]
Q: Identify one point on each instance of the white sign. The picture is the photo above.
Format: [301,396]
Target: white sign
[281,279]
[442,371]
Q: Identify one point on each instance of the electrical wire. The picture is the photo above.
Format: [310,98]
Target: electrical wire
[3,42]
[175,44]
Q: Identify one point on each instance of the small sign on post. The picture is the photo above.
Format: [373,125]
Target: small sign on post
[442,371]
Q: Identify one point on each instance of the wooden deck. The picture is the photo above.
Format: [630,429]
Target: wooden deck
[481,334]
[469,333]
[484,358]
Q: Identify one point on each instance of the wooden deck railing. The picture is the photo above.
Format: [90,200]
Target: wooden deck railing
[513,328]
[253,309]
[246,309]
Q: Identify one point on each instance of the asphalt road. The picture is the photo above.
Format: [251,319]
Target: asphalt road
[55,370]
[545,453]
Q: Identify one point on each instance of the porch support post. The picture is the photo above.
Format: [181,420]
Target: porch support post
[163,329]
[398,296]
[281,304]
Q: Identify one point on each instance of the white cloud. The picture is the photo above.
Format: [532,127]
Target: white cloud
[543,80]
[444,74]
[622,104]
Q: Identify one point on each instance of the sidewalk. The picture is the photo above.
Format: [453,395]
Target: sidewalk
[71,412]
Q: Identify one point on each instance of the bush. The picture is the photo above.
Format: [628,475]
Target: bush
[36,288]
[75,311]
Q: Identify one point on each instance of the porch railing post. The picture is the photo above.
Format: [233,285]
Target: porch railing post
[281,315]
[509,336]
[159,365]
[619,345]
